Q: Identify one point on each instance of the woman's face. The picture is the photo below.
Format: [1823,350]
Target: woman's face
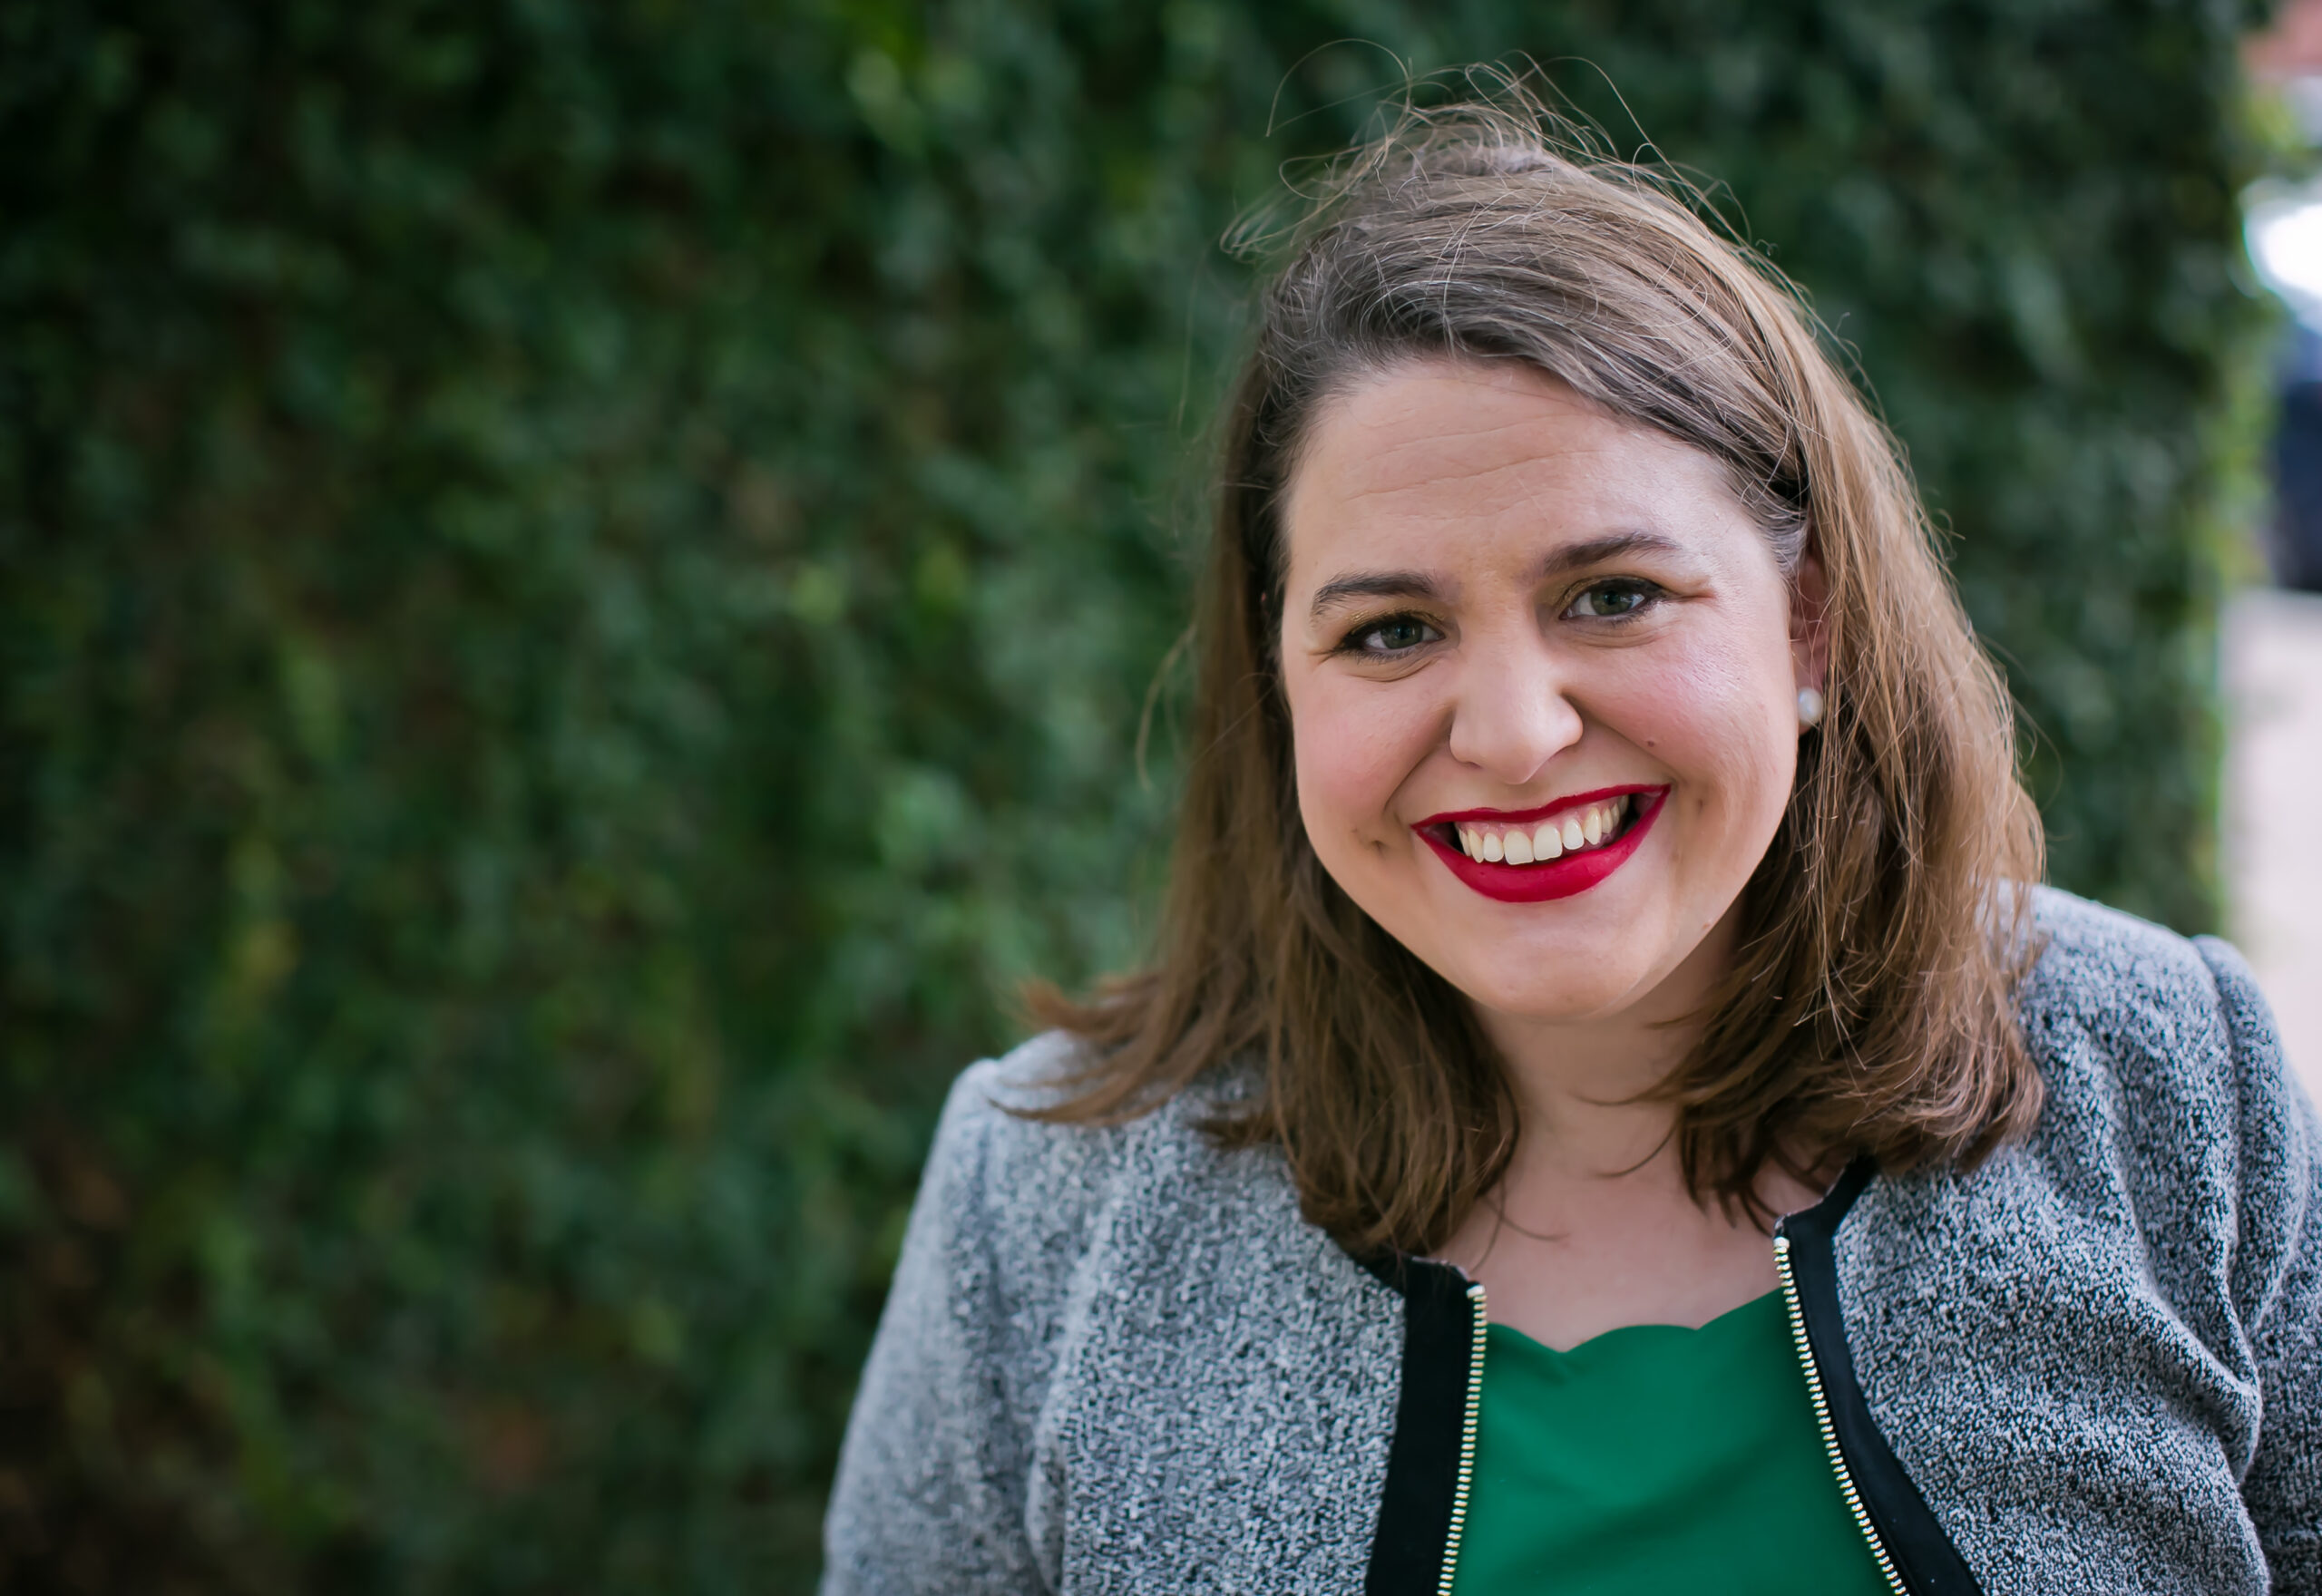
[1543,675]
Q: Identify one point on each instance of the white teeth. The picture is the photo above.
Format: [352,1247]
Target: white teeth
[1568,833]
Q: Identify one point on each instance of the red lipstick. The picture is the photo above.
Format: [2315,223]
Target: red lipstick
[1558,878]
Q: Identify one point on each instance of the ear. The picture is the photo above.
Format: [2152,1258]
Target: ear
[1809,604]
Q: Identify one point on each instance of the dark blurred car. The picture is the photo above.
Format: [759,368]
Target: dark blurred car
[2297,531]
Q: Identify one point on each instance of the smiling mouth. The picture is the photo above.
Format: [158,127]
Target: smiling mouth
[1543,841]
[1531,856]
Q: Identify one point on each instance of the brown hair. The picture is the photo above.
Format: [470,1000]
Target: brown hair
[1870,1005]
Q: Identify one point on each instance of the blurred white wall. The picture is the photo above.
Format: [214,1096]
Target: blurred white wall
[2273,807]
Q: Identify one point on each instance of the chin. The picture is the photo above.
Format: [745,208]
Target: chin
[1518,995]
[1577,970]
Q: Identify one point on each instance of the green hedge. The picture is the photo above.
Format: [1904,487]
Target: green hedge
[577,585]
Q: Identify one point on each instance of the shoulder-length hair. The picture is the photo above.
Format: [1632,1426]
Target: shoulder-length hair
[1871,1005]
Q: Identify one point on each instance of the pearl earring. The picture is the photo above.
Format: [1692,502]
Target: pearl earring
[1810,707]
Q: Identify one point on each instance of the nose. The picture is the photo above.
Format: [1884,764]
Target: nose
[1511,713]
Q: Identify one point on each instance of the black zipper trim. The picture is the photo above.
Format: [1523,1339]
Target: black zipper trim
[1923,1555]
[1423,1460]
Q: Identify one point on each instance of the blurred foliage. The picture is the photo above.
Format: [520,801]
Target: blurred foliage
[578,583]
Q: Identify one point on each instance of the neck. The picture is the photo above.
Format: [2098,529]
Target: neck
[1581,1085]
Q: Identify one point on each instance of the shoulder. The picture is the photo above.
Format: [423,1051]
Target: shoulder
[1028,1187]
[2094,961]
[2100,1325]
[999,1109]
[2161,1012]
[994,1167]
[2165,1077]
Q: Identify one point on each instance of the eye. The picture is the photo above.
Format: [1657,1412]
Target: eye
[1397,634]
[1617,599]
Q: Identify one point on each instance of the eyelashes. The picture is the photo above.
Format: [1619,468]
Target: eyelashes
[1628,596]
[1606,604]
[1389,637]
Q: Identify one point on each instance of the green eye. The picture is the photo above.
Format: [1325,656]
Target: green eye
[1398,634]
[1612,601]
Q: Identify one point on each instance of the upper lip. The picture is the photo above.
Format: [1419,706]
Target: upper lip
[1553,806]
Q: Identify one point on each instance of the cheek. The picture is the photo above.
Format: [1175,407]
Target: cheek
[1725,721]
[1355,745]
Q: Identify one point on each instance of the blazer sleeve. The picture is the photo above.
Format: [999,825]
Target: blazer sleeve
[932,1478]
[2278,1271]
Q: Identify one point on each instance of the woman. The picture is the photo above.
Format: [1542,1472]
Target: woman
[1608,1114]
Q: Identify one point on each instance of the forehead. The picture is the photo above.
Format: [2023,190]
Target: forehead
[1455,459]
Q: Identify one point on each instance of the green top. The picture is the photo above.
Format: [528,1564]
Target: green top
[1656,1458]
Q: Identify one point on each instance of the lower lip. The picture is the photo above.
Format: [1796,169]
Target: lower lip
[1559,878]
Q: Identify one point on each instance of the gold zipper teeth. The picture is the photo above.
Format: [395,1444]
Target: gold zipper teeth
[1466,1441]
[1823,1420]
[1473,1407]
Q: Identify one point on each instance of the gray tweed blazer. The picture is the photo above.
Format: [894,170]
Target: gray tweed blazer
[1118,1360]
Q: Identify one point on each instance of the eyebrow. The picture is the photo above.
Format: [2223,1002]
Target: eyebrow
[1384,584]
[1413,584]
[1597,550]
